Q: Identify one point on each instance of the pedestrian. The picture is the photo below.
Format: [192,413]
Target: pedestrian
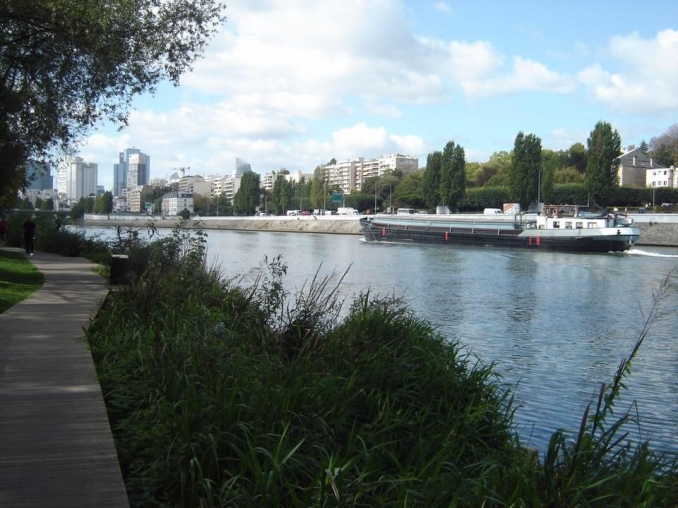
[4,227]
[29,234]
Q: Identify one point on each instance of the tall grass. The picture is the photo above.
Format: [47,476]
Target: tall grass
[223,395]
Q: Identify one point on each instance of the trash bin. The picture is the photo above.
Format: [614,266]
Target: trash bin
[118,269]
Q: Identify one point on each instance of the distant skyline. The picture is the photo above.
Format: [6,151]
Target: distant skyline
[295,84]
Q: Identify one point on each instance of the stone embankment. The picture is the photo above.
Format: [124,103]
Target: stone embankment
[651,233]
[658,234]
[343,225]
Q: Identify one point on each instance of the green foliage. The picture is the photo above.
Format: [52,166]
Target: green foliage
[568,174]
[664,148]
[18,279]
[487,197]
[498,169]
[430,182]
[319,198]
[409,192]
[604,146]
[247,199]
[103,204]
[282,194]
[65,65]
[525,167]
[220,395]
[452,175]
[578,157]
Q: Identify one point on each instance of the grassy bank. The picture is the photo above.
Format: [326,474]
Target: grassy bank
[223,395]
[18,279]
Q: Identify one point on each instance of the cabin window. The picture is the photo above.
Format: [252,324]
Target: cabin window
[568,224]
[592,225]
[579,225]
[556,224]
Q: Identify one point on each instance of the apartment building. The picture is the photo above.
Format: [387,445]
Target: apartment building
[136,198]
[77,179]
[350,175]
[174,203]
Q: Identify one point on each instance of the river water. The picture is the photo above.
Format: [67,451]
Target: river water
[556,325]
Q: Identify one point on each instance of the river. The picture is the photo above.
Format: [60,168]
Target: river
[556,325]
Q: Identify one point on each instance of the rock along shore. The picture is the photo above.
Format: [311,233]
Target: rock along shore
[654,234]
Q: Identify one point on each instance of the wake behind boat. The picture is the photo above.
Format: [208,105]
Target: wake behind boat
[563,228]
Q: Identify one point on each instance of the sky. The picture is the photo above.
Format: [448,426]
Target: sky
[294,83]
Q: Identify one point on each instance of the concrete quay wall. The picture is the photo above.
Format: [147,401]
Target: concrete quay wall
[651,233]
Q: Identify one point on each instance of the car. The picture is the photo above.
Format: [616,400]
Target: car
[641,209]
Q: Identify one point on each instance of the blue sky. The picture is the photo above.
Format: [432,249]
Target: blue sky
[294,83]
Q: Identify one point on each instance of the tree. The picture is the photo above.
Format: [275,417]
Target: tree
[498,168]
[664,148]
[246,199]
[430,183]
[525,167]
[604,146]
[408,191]
[452,175]
[65,65]
[318,188]
[644,147]
[282,194]
[578,157]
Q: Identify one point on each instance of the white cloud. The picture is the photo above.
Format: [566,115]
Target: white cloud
[526,75]
[281,69]
[442,7]
[646,81]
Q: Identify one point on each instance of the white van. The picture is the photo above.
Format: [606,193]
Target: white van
[406,211]
[493,211]
[293,212]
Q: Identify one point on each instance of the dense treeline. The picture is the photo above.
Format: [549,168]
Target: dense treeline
[528,173]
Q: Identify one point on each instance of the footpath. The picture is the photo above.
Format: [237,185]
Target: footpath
[56,446]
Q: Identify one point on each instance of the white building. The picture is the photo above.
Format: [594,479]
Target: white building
[175,202]
[76,178]
[350,175]
[662,177]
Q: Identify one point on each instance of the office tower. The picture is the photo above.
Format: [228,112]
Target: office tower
[138,169]
[241,166]
[120,170]
[38,176]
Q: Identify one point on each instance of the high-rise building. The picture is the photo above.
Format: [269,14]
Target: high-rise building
[77,178]
[38,176]
[138,169]
[133,169]
[120,170]
[241,166]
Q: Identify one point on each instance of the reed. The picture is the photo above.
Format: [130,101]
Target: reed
[223,395]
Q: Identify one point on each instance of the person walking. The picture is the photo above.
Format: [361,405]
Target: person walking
[29,234]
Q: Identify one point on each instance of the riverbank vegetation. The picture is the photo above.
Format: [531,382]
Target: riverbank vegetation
[221,394]
[18,279]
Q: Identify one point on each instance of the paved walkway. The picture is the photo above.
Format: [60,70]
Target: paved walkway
[56,447]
